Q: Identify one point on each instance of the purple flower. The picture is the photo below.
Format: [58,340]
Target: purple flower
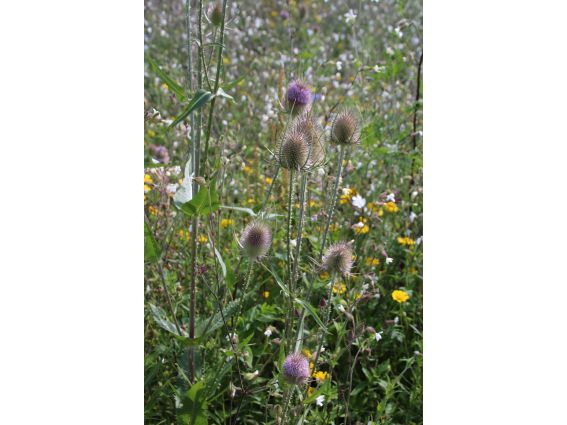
[296,368]
[298,96]
[284,15]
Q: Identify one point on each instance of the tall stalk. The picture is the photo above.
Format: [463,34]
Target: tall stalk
[288,325]
[333,200]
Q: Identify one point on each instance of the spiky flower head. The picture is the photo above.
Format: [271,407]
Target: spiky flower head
[338,259]
[293,150]
[298,97]
[345,129]
[308,126]
[256,240]
[296,368]
[215,13]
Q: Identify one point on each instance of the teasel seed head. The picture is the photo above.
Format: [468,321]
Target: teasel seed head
[338,259]
[293,150]
[345,129]
[308,126]
[256,240]
[296,368]
[298,97]
[215,14]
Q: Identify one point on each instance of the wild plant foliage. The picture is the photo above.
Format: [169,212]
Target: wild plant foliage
[282,212]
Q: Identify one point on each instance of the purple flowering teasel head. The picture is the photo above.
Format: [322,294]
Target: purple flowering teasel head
[256,240]
[298,97]
[296,368]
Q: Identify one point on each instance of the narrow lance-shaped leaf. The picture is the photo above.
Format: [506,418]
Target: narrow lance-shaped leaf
[198,101]
[173,86]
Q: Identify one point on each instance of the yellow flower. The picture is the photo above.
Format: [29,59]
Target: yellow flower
[151,133]
[311,365]
[339,288]
[358,296]
[400,296]
[310,391]
[391,207]
[250,201]
[320,375]
[266,294]
[324,275]
[153,210]
[148,179]
[203,238]
[371,261]
[313,203]
[274,13]
[406,241]
[225,222]
[307,353]
[347,195]
[380,212]
[184,234]
[247,169]
[268,180]
[360,228]
[147,188]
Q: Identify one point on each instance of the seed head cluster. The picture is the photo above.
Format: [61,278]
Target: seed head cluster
[338,259]
[215,13]
[345,129]
[256,240]
[301,146]
[296,368]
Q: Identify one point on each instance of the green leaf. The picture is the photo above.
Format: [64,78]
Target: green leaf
[152,250]
[205,202]
[194,409]
[173,86]
[242,209]
[208,325]
[312,312]
[162,322]
[198,101]
[223,266]
[233,84]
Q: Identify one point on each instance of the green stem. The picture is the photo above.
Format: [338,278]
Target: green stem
[289,325]
[333,201]
[245,287]
[327,317]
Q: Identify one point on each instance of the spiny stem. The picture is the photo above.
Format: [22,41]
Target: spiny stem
[333,201]
[299,227]
[245,287]
[288,325]
[325,321]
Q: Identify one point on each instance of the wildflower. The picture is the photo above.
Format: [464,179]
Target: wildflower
[320,375]
[268,332]
[378,336]
[345,129]
[296,368]
[247,169]
[307,353]
[319,400]
[371,261]
[391,207]
[338,259]
[293,150]
[148,179]
[266,294]
[347,195]
[400,296]
[350,16]
[389,260]
[378,69]
[324,276]
[406,241]
[147,188]
[360,228]
[215,14]
[184,234]
[203,239]
[391,198]
[225,222]
[307,125]
[159,153]
[339,65]
[256,240]
[268,180]
[412,217]
[171,189]
[298,96]
[310,391]
[339,288]
[358,201]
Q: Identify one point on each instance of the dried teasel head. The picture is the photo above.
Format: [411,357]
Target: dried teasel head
[308,126]
[298,97]
[345,129]
[296,368]
[293,150]
[338,259]
[256,240]
[215,13]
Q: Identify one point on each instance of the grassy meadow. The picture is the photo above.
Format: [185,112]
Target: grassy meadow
[283,212]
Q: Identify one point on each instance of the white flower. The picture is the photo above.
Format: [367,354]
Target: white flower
[358,201]
[341,308]
[319,400]
[378,336]
[268,332]
[339,65]
[378,69]
[412,217]
[350,16]
[389,260]
[293,242]
[391,198]
[171,188]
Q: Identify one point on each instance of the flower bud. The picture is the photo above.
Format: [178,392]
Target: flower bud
[256,240]
[345,129]
[338,259]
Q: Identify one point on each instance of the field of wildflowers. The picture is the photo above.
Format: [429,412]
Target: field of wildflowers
[283,212]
